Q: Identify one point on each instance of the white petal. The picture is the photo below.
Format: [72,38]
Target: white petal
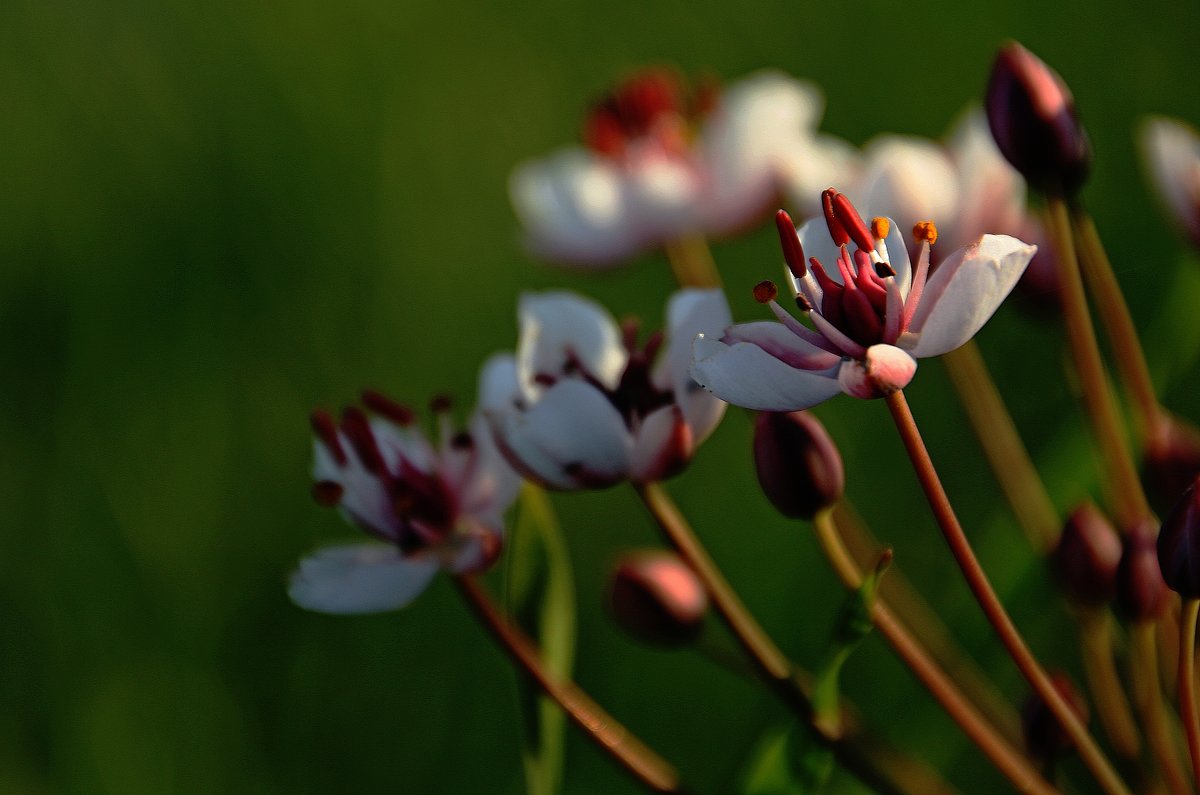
[775,339]
[359,578]
[964,292]
[691,312]
[364,500]
[558,327]
[664,193]
[909,179]
[991,192]
[810,165]
[575,208]
[499,387]
[663,445]
[572,438]
[491,484]
[1172,152]
[746,375]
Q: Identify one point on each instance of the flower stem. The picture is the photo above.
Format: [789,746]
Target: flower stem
[1187,682]
[1128,499]
[1002,446]
[634,755]
[1104,683]
[1007,759]
[692,262]
[997,616]
[1148,692]
[1127,349]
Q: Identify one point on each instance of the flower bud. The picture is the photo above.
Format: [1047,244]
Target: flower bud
[1141,592]
[1179,544]
[1032,116]
[799,467]
[657,598]
[1171,460]
[1086,558]
[1045,738]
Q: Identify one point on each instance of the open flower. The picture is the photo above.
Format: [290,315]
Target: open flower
[660,164]
[431,507]
[1172,152]
[871,313]
[581,405]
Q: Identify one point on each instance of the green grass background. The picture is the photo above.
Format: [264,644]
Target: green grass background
[214,216]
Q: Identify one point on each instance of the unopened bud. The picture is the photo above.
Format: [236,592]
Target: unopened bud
[1045,738]
[657,598]
[1141,592]
[1171,460]
[1086,558]
[1179,544]
[799,467]
[1033,119]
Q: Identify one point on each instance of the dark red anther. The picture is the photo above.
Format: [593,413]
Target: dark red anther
[852,222]
[462,441]
[602,131]
[327,493]
[803,303]
[358,431]
[384,406]
[765,291]
[836,230]
[326,430]
[644,98]
[793,252]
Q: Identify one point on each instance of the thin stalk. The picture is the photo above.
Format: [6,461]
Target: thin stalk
[1187,683]
[692,262]
[1118,325]
[771,664]
[655,773]
[997,616]
[1125,489]
[1023,776]
[1104,683]
[1002,446]
[1148,694]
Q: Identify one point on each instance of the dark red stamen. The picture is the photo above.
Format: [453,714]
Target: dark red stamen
[326,430]
[793,252]
[603,132]
[358,431]
[653,344]
[852,222]
[765,291]
[327,493]
[462,441]
[630,327]
[384,406]
[836,230]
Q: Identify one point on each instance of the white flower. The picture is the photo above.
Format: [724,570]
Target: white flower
[580,405]
[1172,152]
[431,507]
[660,165]
[871,314]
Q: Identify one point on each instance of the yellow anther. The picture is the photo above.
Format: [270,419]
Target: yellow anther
[925,232]
[880,227]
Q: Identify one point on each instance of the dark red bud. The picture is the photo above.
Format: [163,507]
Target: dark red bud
[1141,592]
[657,599]
[1171,460]
[799,467]
[1086,558]
[1045,738]
[1033,119]
[1179,544]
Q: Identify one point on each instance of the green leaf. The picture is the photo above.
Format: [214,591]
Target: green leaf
[787,761]
[540,594]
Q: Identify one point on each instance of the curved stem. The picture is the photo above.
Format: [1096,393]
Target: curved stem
[692,262]
[1148,693]
[1002,446]
[1125,489]
[1118,323]
[1187,683]
[997,616]
[1007,759]
[634,755]
[1104,683]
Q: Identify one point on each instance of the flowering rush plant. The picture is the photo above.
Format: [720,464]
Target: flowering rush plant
[905,250]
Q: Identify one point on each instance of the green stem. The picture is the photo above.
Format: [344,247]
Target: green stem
[1187,682]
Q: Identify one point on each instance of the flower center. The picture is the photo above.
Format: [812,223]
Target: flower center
[651,107]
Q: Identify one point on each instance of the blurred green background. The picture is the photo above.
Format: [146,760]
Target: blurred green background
[215,216]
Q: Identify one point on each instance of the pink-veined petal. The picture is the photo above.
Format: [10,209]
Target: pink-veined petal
[777,340]
[560,327]
[691,312]
[364,501]
[963,293]
[1172,153]
[746,375]
[359,578]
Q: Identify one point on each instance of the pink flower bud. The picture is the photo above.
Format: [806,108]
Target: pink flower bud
[799,467]
[1179,544]
[1086,558]
[1141,592]
[1045,738]
[1033,119]
[657,598]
